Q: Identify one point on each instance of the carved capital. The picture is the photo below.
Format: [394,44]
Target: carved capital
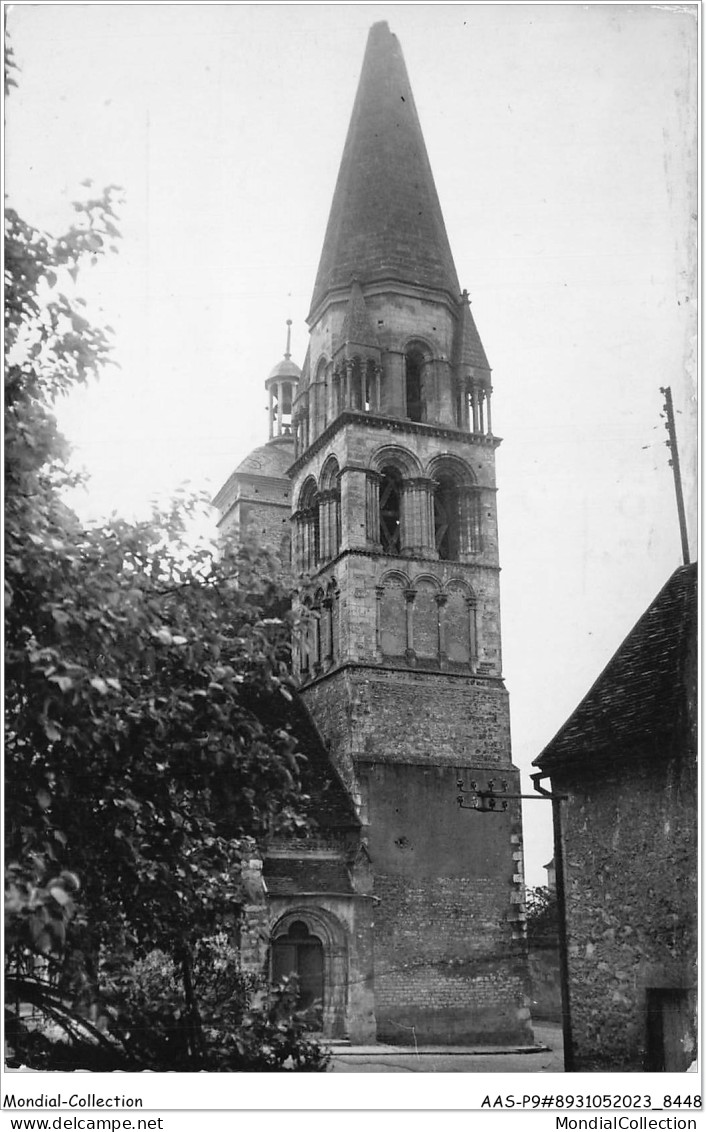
[423,482]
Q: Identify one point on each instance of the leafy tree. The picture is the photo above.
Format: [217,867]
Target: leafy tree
[138,760]
[542,917]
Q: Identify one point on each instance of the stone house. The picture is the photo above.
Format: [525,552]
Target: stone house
[402,918]
[626,759]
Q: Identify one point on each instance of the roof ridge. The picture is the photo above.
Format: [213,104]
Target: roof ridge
[641,675]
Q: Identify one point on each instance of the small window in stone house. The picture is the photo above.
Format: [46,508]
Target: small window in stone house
[390,509]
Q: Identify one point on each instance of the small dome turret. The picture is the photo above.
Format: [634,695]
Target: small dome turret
[281,384]
[285,369]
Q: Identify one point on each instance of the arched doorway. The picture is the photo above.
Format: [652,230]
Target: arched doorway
[301,954]
[310,943]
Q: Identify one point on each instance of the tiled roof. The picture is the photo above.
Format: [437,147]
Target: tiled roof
[385,220]
[645,696]
[331,807]
[285,368]
[271,459]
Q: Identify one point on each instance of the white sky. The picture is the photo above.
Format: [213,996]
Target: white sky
[563,143]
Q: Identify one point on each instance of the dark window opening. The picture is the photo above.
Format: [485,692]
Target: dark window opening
[447,519]
[315,552]
[390,507]
[357,380]
[413,386]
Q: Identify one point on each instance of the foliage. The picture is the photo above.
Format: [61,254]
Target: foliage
[245,1029]
[136,765]
[542,917]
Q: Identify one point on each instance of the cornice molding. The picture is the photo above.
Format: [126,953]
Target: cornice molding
[384,286]
[390,424]
[364,552]
[476,678]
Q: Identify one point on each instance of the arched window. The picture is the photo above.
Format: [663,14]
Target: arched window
[390,510]
[330,510]
[300,954]
[414,393]
[307,517]
[457,525]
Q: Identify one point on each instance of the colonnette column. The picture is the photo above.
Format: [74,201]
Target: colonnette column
[409,596]
[329,522]
[372,509]
[442,602]
[376,391]
[417,534]
[472,631]
[306,538]
[480,408]
[471,527]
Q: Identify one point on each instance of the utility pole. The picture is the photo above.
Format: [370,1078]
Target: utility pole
[556,800]
[674,462]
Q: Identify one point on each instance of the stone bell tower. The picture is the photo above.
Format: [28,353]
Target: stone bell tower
[395,542]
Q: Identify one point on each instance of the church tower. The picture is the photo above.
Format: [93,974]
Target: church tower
[395,543]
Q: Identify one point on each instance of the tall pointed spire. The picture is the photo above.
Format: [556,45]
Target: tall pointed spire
[385,220]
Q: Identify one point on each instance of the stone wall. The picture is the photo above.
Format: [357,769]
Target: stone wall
[380,714]
[631,873]
[450,953]
[261,506]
